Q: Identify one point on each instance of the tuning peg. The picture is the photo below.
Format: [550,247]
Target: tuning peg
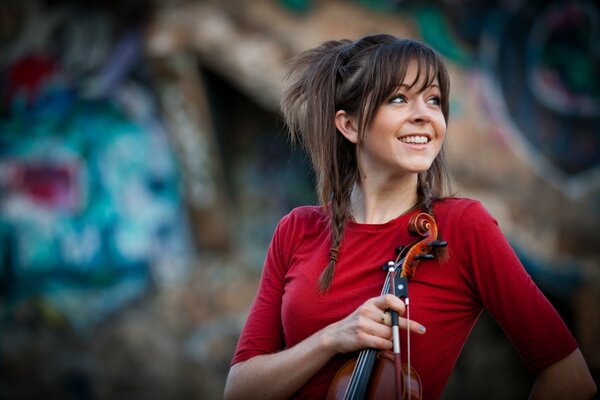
[424,256]
[437,243]
[399,249]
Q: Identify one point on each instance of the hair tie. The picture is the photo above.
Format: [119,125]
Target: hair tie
[333,254]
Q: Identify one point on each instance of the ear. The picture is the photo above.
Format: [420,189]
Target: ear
[346,125]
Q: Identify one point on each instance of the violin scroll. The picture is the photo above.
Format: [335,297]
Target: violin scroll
[422,225]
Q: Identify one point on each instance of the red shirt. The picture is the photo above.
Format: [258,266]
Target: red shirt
[482,272]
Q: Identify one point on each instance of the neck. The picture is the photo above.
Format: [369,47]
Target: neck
[379,203]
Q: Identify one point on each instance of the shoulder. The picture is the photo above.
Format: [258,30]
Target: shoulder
[457,208]
[465,218]
[299,226]
[305,214]
[302,219]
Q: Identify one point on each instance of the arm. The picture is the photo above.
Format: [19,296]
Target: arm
[279,375]
[528,318]
[568,378]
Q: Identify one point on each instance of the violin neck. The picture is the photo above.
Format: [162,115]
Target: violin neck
[359,382]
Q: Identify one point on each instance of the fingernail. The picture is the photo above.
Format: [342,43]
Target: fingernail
[421,329]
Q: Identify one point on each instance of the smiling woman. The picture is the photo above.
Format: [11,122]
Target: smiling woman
[372,115]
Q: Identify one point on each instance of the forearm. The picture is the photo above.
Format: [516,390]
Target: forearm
[568,378]
[278,375]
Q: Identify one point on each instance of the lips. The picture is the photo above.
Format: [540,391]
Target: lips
[415,139]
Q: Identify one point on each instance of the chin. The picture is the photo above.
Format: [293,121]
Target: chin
[419,167]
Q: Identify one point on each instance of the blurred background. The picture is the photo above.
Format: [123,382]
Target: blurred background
[144,166]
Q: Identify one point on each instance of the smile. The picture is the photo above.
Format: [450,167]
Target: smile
[417,139]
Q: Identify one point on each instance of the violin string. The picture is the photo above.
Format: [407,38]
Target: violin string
[408,345]
[362,357]
[396,337]
[362,362]
[388,288]
[407,313]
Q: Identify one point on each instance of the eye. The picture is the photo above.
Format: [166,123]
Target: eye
[435,100]
[398,99]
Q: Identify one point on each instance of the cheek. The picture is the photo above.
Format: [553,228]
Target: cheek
[441,128]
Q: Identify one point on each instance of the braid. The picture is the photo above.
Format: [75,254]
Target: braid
[339,210]
[338,220]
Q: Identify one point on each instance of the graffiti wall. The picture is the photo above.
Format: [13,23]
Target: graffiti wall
[91,204]
[542,65]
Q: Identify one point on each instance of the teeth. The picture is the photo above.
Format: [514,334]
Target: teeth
[414,139]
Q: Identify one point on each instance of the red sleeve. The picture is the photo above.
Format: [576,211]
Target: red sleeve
[263,333]
[508,293]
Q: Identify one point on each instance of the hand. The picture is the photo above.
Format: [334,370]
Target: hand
[367,328]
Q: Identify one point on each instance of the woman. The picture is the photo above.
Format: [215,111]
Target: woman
[372,115]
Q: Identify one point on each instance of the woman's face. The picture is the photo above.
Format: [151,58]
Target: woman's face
[406,133]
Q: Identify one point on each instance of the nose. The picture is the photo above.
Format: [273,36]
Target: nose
[420,112]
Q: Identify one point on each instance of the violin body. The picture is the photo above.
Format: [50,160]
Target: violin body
[381,385]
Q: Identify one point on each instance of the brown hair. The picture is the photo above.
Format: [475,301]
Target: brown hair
[357,77]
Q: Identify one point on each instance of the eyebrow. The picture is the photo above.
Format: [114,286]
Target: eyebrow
[408,87]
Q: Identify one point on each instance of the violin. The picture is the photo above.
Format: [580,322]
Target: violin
[380,374]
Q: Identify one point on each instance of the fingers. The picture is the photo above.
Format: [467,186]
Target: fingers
[370,325]
[389,301]
[411,325]
[403,323]
[363,330]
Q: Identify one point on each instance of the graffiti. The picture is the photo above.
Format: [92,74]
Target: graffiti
[90,204]
[544,89]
